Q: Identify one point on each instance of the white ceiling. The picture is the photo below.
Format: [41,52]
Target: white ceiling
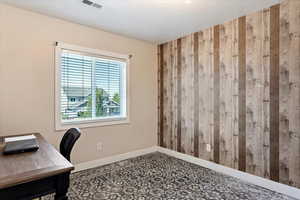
[155,21]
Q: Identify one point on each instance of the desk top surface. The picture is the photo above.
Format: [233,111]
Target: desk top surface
[25,167]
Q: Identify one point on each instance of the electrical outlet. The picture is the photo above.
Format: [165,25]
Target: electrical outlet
[99,146]
[208,147]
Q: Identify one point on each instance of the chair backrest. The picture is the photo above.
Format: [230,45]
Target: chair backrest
[68,141]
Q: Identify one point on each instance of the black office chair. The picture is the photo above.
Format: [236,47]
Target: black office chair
[67,144]
[68,141]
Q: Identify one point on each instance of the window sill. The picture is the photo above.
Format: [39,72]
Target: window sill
[91,123]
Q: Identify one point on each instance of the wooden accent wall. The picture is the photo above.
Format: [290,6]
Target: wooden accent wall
[231,93]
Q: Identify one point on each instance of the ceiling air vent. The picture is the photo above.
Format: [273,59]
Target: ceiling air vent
[90,3]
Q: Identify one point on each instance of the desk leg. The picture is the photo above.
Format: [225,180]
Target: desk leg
[62,185]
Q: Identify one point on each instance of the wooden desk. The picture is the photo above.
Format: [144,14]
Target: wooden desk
[34,174]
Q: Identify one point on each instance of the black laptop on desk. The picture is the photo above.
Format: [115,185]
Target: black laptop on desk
[20,144]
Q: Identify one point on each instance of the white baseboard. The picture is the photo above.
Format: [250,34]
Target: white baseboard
[256,180]
[271,185]
[112,159]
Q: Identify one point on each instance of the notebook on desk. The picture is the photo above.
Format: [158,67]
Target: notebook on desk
[20,144]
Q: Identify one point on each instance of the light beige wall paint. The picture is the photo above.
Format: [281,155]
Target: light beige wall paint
[27,82]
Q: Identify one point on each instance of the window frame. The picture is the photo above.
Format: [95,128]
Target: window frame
[105,121]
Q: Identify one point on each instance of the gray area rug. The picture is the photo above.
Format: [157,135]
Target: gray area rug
[157,176]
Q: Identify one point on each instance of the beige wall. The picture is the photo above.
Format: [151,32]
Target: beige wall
[27,82]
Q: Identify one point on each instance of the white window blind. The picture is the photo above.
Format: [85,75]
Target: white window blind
[92,87]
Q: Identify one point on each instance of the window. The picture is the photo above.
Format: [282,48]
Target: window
[91,87]
[72,99]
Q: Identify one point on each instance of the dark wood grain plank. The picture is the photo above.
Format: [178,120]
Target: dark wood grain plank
[216,94]
[167,92]
[179,68]
[242,94]
[274,93]
[284,84]
[158,94]
[161,92]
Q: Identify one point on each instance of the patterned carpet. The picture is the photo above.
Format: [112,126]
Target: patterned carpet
[157,176]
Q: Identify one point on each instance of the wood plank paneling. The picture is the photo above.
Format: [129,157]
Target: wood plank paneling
[289,97]
[235,93]
[236,88]
[256,73]
[242,94]
[294,96]
[174,96]
[206,92]
[216,94]
[187,95]
[196,92]
[274,96]
[227,106]
[253,132]
[266,67]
